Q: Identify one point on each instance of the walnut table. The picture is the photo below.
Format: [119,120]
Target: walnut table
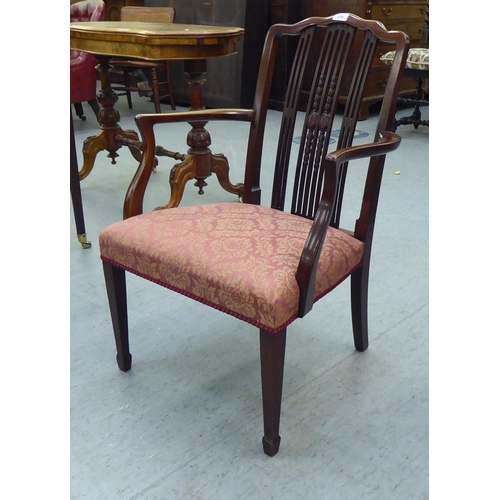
[193,44]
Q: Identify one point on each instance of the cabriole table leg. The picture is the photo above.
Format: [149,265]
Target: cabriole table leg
[106,139]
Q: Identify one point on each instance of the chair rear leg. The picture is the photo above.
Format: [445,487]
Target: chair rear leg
[117,297]
[359,307]
[272,360]
[126,78]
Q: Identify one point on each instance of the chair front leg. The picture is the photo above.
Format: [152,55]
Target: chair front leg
[117,297]
[272,360]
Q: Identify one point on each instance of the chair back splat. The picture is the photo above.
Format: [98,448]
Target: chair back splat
[268,264]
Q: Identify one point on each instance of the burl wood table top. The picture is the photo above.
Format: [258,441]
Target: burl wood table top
[154,41]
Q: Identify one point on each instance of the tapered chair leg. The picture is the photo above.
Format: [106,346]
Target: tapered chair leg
[117,297]
[272,360]
[359,307]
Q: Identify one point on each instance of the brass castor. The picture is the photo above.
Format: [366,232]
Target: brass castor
[82,238]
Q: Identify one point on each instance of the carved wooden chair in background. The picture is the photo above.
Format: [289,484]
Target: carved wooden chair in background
[259,263]
[123,69]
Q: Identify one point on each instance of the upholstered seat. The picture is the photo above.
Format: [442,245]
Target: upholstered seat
[243,260]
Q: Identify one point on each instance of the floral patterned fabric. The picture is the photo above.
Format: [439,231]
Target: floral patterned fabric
[242,259]
[417,58]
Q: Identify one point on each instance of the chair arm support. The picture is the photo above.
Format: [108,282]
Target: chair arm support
[309,260]
[145,124]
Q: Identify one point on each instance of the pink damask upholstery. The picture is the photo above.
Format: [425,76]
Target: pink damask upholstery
[243,260]
[83,75]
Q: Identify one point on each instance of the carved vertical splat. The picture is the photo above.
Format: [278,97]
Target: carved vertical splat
[324,130]
[307,151]
[319,119]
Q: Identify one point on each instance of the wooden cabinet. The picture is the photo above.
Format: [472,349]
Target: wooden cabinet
[403,15]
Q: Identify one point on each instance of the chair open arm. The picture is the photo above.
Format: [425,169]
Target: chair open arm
[145,123]
[306,271]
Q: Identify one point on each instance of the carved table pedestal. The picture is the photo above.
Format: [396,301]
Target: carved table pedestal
[193,44]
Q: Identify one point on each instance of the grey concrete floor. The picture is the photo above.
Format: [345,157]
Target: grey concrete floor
[186,421]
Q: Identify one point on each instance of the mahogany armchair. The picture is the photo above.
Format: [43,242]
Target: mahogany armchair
[257,262]
[123,69]
[83,73]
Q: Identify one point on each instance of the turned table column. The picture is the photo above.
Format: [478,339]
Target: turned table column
[200,162]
